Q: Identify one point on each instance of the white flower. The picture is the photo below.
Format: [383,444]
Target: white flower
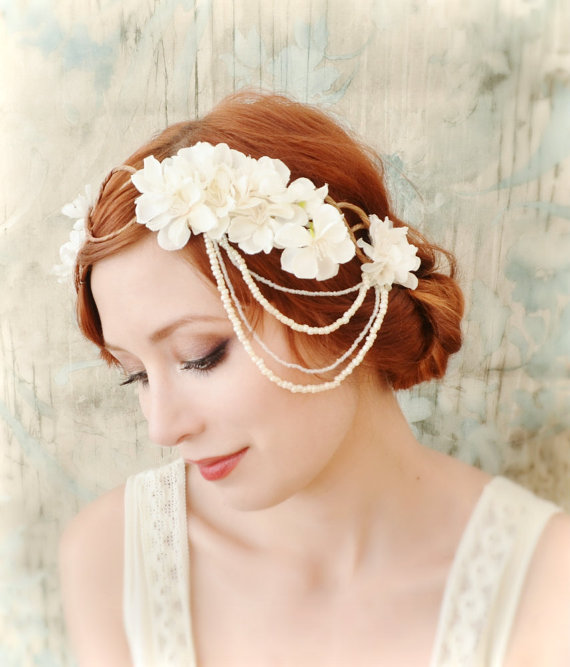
[303,193]
[300,201]
[259,186]
[254,229]
[204,158]
[316,251]
[77,210]
[172,201]
[255,181]
[68,252]
[267,177]
[393,257]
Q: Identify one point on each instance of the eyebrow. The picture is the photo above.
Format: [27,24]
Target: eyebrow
[169,329]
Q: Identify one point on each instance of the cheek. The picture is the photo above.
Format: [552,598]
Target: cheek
[306,426]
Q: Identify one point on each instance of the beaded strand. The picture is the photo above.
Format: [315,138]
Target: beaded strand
[302,292]
[267,350]
[240,264]
[258,361]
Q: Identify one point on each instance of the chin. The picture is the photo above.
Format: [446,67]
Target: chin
[255,498]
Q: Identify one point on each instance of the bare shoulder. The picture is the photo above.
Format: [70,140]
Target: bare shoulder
[91,572]
[458,484]
[541,633]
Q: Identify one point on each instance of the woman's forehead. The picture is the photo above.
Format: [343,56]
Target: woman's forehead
[145,283]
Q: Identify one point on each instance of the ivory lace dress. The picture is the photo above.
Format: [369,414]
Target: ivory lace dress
[479,602]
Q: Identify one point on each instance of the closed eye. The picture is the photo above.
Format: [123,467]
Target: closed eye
[209,362]
[202,365]
[135,377]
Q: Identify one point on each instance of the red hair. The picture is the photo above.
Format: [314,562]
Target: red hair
[421,327]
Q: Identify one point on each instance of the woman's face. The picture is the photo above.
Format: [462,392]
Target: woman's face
[199,390]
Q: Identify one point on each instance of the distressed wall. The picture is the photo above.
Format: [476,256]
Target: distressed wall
[469,103]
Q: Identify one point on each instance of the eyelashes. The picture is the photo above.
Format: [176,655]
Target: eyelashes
[133,378]
[209,362]
[202,365]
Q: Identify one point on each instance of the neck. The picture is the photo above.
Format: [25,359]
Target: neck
[358,499]
[362,496]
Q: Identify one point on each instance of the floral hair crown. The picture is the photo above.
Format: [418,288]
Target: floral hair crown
[235,200]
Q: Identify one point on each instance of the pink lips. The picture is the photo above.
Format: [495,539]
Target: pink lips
[219,467]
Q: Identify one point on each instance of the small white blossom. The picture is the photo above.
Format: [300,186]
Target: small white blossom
[171,201]
[268,177]
[393,258]
[316,251]
[77,210]
[255,181]
[254,229]
[303,194]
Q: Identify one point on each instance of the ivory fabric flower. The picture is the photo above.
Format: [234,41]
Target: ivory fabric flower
[172,201]
[259,206]
[304,193]
[254,229]
[304,197]
[393,258]
[77,210]
[267,177]
[204,159]
[317,250]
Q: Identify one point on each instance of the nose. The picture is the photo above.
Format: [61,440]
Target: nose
[171,416]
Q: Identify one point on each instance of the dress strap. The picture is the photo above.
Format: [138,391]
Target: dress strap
[488,574]
[156,595]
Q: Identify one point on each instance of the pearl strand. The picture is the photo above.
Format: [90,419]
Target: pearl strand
[287,321]
[258,361]
[260,342]
[301,292]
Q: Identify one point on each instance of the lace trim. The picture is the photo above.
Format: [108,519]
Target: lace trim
[505,515]
[163,572]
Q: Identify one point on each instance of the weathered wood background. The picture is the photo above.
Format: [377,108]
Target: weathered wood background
[469,102]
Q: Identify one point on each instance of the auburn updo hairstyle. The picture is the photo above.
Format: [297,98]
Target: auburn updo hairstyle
[421,328]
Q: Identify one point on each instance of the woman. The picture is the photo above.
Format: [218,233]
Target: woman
[302,524]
